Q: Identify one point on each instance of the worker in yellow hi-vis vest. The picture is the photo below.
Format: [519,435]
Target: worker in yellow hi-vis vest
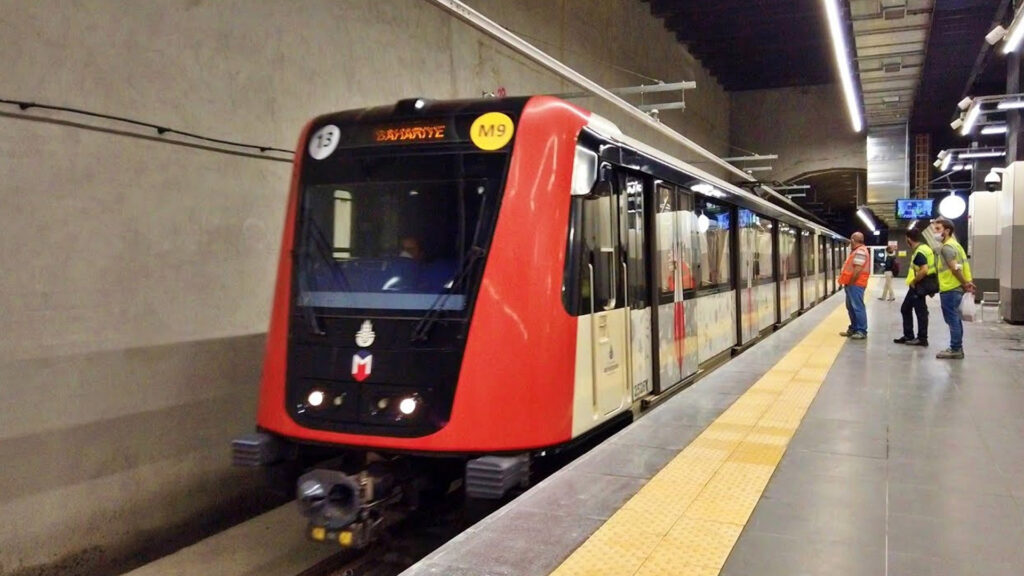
[955,280]
[922,282]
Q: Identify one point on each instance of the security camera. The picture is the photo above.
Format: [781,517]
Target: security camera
[992,181]
[965,103]
[997,34]
[956,124]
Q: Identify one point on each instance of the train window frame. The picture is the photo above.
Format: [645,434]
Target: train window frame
[634,233]
[806,255]
[789,260]
[723,252]
[580,248]
[762,227]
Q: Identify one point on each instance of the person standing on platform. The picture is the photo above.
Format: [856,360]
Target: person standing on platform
[889,270]
[854,279]
[954,281]
[922,283]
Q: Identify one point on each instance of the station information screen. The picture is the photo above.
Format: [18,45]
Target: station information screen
[914,208]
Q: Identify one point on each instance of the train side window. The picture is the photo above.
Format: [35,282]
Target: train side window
[600,248]
[807,245]
[756,242]
[634,232]
[593,270]
[714,227]
[665,222]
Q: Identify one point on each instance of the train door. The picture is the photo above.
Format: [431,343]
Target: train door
[822,268]
[608,319]
[633,238]
[674,261]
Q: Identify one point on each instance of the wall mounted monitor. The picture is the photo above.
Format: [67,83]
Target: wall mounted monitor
[914,208]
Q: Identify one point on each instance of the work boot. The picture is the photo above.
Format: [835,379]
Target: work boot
[916,342]
[950,354]
[846,333]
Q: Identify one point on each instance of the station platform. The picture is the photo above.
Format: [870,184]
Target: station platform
[807,454]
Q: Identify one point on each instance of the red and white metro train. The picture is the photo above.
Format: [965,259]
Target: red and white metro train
[481,281]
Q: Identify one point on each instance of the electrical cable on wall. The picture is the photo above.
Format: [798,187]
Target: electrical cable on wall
[160,130]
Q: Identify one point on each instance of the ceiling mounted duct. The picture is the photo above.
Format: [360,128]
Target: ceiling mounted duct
[894,9]
[892,65]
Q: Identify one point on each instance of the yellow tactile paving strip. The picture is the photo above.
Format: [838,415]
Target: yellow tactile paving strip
[685,521]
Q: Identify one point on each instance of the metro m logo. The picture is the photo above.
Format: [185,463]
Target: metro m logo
[362,365]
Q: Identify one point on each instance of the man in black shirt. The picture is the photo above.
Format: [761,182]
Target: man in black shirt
[922,282]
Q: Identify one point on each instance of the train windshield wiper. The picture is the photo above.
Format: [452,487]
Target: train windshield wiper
[422,329]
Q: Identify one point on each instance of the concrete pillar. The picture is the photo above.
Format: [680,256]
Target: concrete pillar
[1011,244]
[983,239]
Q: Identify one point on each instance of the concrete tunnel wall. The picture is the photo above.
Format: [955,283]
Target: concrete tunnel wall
[808,127]
[137,275]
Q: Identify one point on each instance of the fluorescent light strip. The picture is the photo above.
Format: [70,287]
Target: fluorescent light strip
[972,117]
[993,154]
[997,129]
[1011,104]
[840,50]
[864,216]
[1015,33]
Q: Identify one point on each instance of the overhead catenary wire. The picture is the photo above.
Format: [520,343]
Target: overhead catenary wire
[160,130]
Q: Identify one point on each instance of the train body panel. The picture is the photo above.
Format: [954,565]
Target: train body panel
[568,323]
[517,375]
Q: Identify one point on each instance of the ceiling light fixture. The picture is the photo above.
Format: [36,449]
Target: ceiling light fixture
[972,117]
[952,206]
[994,129]
[997,34]
[1016,32]
[1010,105]
[867,219]
[841,53]
[987,154]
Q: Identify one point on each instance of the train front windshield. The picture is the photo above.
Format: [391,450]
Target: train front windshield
[397,234]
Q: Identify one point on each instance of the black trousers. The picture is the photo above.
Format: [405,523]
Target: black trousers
[915,303]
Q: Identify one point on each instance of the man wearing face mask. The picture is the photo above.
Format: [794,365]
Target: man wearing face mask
[954,281]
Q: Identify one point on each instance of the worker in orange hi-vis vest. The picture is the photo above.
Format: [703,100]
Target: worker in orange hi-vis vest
[854,279]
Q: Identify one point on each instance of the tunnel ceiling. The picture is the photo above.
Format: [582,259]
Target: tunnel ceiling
[915,59]
[832,195]
[751,44]
[958,61]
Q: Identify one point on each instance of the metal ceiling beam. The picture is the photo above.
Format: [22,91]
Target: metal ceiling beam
[881,15]
[890,54]
[893,30]
[892,78]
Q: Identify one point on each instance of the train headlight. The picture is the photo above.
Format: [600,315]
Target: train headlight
[315,398]
[408,405]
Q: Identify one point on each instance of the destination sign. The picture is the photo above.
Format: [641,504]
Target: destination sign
[428,133]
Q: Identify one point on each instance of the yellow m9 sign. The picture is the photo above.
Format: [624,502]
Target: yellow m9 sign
[491,131]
